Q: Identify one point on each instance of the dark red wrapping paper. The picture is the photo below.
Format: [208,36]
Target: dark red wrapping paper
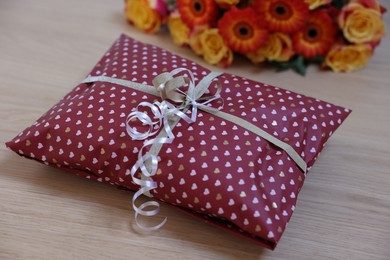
[215,169]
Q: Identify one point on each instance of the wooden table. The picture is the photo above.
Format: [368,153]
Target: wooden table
[46,48]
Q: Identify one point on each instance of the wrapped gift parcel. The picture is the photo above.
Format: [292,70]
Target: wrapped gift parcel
[229,150]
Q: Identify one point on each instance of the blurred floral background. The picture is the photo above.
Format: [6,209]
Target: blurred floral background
[340,35]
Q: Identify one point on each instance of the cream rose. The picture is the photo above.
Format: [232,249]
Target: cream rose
[142,15]
[346,58]
[360,24]
[179,30]
[313,4]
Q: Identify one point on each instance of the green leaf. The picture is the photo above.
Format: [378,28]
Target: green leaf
[171,4]
[316,59]
[339,3]
[297,64]
[300,66]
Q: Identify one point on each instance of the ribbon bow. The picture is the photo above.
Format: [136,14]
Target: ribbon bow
[165,115]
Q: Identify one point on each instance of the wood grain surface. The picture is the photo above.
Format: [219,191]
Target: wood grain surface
[48,46]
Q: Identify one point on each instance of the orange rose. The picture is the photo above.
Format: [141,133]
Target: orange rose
[346,58]
[361,24]
[277,48]
[179,30]
[139,13]
[313,4]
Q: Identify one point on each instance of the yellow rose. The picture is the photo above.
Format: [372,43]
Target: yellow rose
[313,4]
[142,15]
[195,43]
[256,56]
[360,24]
[214,49]
[346,58]
[372,4]
[180,31]
[277,48]
[227,3]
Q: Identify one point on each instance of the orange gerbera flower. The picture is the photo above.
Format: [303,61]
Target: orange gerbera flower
[317,36]
[286,16]
[197,12]
[242,30]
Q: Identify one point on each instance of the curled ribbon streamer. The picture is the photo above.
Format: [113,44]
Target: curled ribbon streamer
[165,116]
[161,111]
[168,88]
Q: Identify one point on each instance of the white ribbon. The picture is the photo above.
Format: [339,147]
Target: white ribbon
[161,114]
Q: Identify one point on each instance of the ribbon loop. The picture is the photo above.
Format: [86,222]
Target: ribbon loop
[146,120]
[166,85]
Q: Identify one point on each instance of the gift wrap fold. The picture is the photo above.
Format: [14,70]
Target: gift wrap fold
[229,150]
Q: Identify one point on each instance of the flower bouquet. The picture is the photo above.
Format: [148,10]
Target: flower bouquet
[290,34]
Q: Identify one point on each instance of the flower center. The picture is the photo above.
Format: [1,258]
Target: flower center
[243,30]
[280,10]
[312,33]
[198,7]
